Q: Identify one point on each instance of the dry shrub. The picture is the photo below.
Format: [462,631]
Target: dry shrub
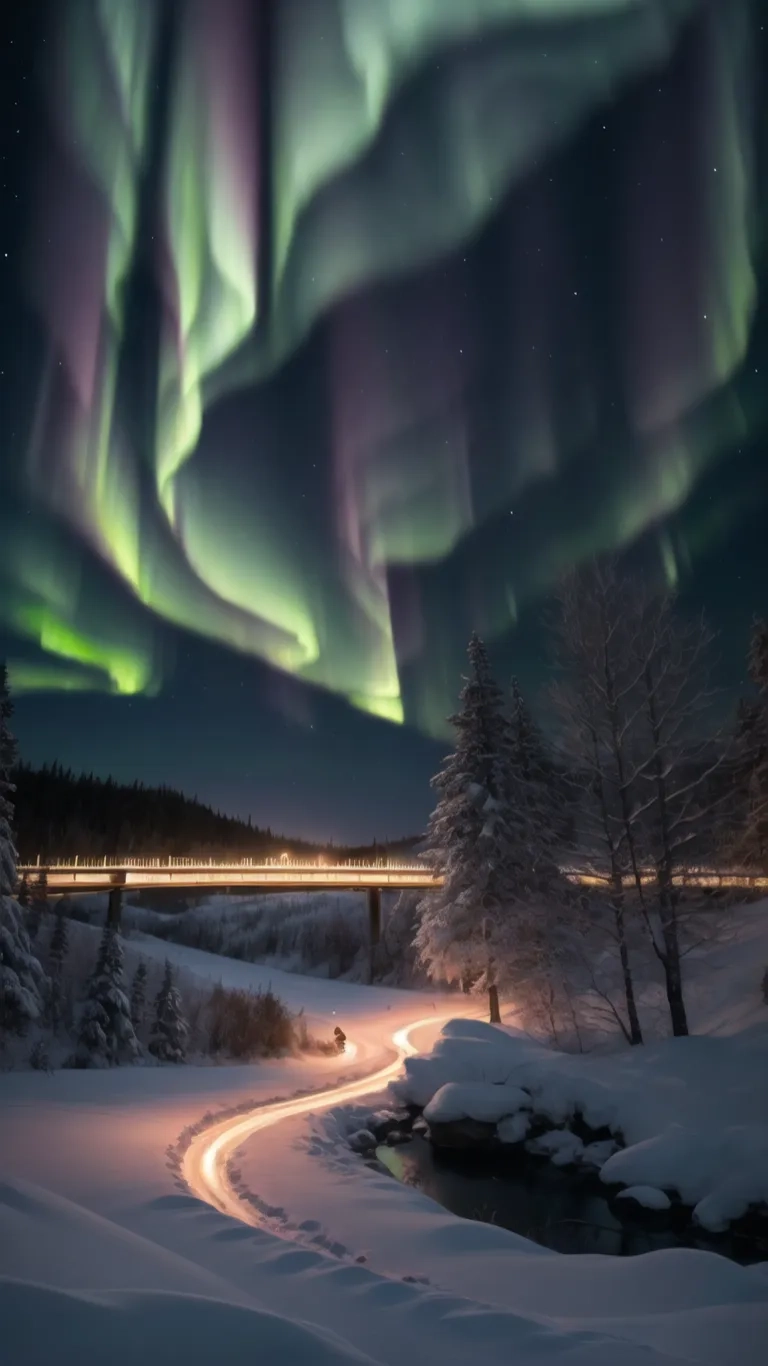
[307,1043]
[244,1024]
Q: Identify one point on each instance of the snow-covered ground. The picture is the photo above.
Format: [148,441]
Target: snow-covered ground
[109,1259]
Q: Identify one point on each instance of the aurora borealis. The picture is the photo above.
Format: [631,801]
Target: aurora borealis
[354,322]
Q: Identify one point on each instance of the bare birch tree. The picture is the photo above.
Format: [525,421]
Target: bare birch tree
[749,847]
[680,757]
[595,701]
[635,704]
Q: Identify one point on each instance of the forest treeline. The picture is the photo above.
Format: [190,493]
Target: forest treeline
[60,814]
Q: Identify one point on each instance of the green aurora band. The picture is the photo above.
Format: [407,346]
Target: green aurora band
[373,107]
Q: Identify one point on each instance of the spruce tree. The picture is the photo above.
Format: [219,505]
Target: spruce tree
[22,981]
[38,905]
[139,995]
[170,1029]
[484,840]
[107,1036]
[57,954]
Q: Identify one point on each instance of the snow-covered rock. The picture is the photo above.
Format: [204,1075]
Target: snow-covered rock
[721,1173]
[514,1128]
[362,1141]
[560,1145]
[478,1100]
[597,1154]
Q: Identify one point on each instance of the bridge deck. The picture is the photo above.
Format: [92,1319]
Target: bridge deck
[94,875]
[146,874]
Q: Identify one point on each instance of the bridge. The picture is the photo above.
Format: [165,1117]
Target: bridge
[286,874]
[283,874]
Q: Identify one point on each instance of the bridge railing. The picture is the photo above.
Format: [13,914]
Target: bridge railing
[224,865]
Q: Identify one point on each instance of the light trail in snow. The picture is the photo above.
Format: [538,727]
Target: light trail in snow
[206,1163]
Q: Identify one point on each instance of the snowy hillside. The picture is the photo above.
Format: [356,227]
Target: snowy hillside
[322,934]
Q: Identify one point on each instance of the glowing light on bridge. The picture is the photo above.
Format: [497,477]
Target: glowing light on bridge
[97,874]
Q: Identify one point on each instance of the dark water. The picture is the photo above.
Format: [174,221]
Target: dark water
[557,1208]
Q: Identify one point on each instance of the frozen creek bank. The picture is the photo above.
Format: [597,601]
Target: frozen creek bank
[681,1125]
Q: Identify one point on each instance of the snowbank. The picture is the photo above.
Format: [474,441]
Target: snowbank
[188,1311]
[129,1326]
[691,1114]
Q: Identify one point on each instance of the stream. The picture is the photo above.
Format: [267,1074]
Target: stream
[558,1208]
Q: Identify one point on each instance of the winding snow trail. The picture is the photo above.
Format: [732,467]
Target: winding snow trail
[206,1162]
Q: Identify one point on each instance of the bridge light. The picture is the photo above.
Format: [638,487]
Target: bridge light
[284,857]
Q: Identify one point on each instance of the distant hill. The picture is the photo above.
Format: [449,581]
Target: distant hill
[60,814]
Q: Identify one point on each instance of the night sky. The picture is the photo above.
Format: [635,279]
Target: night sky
[336,329]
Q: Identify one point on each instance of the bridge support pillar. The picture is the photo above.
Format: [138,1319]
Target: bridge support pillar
[115,907]
[374,925]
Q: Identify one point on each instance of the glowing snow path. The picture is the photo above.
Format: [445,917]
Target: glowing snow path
[206,1163]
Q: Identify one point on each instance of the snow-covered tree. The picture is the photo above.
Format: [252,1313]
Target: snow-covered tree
[56,1003]
[38,905]
[59,944]
[30,912]
[106,1035]
[397,957]
[22,981]
[488,920]
[139,995]
[170,1030]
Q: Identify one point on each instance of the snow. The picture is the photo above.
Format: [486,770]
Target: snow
[513,1128]
[362,1212]
[332,1260]
[561,1146]
[597,1154]
[81,1324]
[163,1300]
[692,1113]
[362,1140]
[650,1197]
[475,1100]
